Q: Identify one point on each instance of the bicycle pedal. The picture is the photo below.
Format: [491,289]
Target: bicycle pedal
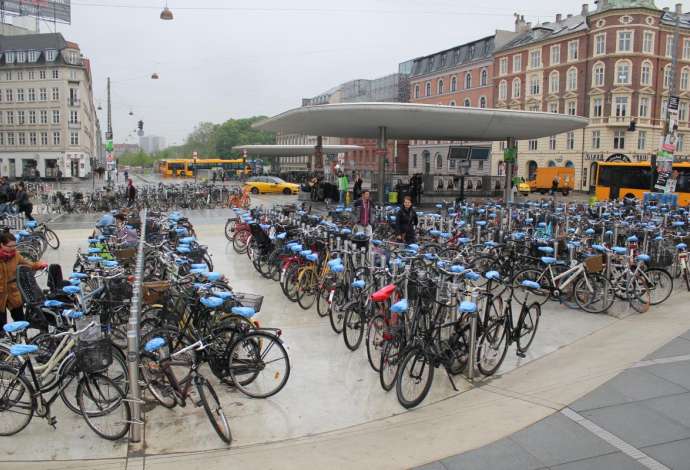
[52,421]
[520,354]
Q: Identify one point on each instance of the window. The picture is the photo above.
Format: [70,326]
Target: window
[669,45]
[664,108]
[10,117]
[22,138]
[503,65]
[74,117]
[680,142]
[2,138]
[570,140]
[535,59]
[9,96]
[8,76]
[32,75]
[517,63]
[535,85]
[686,49]
[10,138]
[74,138]
[439,161]
[9,59]
[468,80]
[667,76]
[451,162]
[646,74]
[21,118]
[20,75]
[516,88]
[552,142]
[21,57]
[51,55]
[553,107]
[427,89]
[555,55]
[56,74]
[533,108]
[44,138]
[648,42]
[597,107]
[625,41]
[33,56]
[644,106]
[554,82]
[482,102]
[573,47]
[56,94]
[44,117]
[571,106]
[32,117]
[502,90]
[439,87]
[598,75]
[600,44]
[621,106]
[42,74]
[467,103]
[414,161]
[31,94]
[596,139]
[683,111]
[56,116]
[56,138]
[533,144]
[416,91]
[572,80]
[454,84]
[623,72]
[684,78]
[619,139]
[641,140]
[32,138]
[484,78]
[20,95]
[480,165]
[452,103]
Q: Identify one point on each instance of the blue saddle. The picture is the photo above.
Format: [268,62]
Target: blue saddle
[620,250]
[644,258]
[430,256]
[346,231]
[313,257]
[246,312]
[518,236]
[94,259]
[199,266]
[213,275]
[181,231]
[23,349]
[546,249]
[74,282]
[681,246]
[92,240]
[110,263]
[31,224]
[304,253]
[434,233]
[463,240]
[198,270]
[481,223]
[78,275]
[334,261]
[376,242]
[589,231]
[445,235]
[359,284]
[183,249]
[225,295]
[281,236]
[633,239]
[400,306]
[23,233]
[187,240]
[212,302]
[95,250]
[296,248]
[490,244]
[529,220]
[73,314]
[413,247]
[548,260]
[678,223]
[338,268]
[15,326]
[53,303]
[472,276]
[265,226]
[71,290]
[456,268]
[530,284]
[467,307]
[154,344]
[600,248]
[492,275]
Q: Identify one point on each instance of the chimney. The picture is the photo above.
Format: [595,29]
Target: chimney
[679,8]
[520,25]
[558,17]
[585,9]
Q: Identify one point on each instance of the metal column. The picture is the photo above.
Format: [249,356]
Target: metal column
[381,145]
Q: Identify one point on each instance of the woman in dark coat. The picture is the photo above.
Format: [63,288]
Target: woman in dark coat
[406,222]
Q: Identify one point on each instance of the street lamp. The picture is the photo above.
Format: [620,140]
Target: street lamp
[166,14]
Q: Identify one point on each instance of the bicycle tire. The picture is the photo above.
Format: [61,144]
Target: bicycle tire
[214,410]
[101,406]
[52,239]
[289,284]
[306,289]
[156,380]
[527,323]
[322,300]
[256,345]
[374,343]
[390,361]
[336,315]
[638,293]
[492,344]
[661,284]
[415,358]
[229,229]
[24,392]
[353,328]
[594,293]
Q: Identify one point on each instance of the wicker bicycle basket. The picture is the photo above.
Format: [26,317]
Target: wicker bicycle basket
[125,254]
[594,264]
[250,300]
[154,291]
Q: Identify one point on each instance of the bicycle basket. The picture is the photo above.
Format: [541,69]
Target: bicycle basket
[662,258]
[250,300]
[28,287]
[154,291]
[94,356]
[594,264]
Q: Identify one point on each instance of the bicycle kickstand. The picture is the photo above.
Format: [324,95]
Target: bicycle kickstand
[452,382]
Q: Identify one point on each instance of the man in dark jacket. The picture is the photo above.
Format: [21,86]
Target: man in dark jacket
[406,222]
[131,193]
[364,212]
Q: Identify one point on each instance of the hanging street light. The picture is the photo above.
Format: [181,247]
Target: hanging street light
[154,76]
[166,14]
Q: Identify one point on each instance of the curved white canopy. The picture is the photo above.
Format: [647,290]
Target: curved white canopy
[288,150]
[419,121]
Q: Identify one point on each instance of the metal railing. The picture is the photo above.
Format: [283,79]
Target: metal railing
[137,424]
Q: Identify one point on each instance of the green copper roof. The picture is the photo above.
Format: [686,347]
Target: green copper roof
[621,4]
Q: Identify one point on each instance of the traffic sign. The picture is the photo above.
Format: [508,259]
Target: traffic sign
[673,103]
[109,157]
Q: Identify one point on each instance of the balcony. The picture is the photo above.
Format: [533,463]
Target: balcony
[620,120]
[74,124]
[74,101]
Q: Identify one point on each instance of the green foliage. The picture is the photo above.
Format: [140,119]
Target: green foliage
[139,158]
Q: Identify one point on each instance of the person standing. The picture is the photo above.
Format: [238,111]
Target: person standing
[10,297]
[406,222]
[357,188]
[414,187]
[365,212]
[126,175]
[23,202]
[554,185]
[131,193]
[343,187]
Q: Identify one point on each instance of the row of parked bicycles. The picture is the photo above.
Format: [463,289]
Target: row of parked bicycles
[73,345]
[473,284]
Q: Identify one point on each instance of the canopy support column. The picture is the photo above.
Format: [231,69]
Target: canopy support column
[317,158]
[510,160]
[381,146]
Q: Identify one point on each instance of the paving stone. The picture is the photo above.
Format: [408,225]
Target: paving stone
[617,461]
[637,424]
[557,439]
[675,455]
[628,386]
[432,466]
[678,373]
[504,454]
[675,407]
[677,347]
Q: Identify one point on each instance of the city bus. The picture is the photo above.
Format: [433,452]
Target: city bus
[184,167]
[617,180]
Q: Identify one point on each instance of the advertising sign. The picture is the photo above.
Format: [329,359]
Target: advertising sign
[664,168]
[51,10]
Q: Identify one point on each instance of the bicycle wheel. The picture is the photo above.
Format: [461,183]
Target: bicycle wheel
[290,281]
[492,347]
[17,403]
[527,326]
[306,288]
[323,299]
[522,294]
[638,293]
[156,380]
[259,365]
[214,410]
[660,283]
[239,241]
[414,378]
[104,406]
[353,326]
[594,293]
[375,342]
[336,314]
[52,239]
[230,229]
[686,276]
[388,367]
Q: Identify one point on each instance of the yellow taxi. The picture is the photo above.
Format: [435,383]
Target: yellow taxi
[270,184]
[524,188]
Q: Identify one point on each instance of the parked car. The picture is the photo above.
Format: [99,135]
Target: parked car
[270,184]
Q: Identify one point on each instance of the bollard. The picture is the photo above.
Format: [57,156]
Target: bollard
[338,243]
[478,235]
[362,257]
[473,340]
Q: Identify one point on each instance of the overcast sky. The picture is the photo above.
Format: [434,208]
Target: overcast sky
[221,59]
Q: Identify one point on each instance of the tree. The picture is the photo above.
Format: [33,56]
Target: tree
[240,132]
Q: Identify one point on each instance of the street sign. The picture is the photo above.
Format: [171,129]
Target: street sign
[510,155]
[673,103]
[109,157]
[109,145]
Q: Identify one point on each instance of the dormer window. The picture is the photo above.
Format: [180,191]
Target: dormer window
[51,55]
[72,57]
[33,56]
[21,57]
[10,57]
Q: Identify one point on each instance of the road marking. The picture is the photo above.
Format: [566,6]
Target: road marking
[615,441]
[662,360]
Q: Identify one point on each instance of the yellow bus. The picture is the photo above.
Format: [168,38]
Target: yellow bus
[184,167]
[617,180]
